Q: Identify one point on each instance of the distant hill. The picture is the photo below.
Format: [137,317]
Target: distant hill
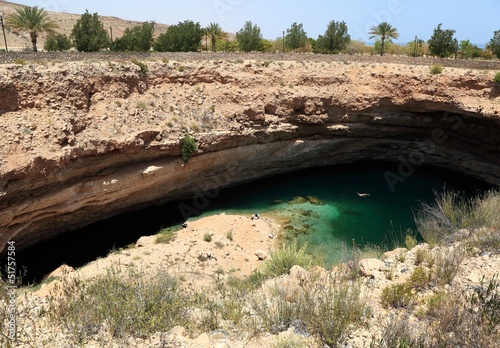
[19,41]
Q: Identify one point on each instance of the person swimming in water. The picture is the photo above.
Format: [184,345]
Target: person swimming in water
[363,194]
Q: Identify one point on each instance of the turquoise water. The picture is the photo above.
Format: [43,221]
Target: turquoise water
[324,210]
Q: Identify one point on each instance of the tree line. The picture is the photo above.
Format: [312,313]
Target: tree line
[89,35]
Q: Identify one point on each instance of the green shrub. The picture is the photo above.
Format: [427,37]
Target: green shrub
[188,148]
[144,67]
[57,42]
[397,296]
[229,235]
[497,79]
[141,104]
[165,235]
[284,258]
[207,237]
[419,279]
[410,242]
[181,68]
[434,303]
[436,69]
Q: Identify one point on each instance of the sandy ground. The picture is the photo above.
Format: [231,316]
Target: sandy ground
[235,241]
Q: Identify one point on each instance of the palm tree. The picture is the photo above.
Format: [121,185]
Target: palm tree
[32,19]
[215,32]
[384,31]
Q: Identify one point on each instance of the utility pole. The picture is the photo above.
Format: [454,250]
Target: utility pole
[3,29]
[415,48]
[283,42]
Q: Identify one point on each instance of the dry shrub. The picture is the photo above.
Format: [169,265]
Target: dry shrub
[329,308]
[454,324]
[399,332]
[447,265]
[124,304]
[450,212]
[332,309]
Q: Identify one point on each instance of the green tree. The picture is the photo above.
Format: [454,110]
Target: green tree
[136,39]
[88,34]
[384,31]
[416,48]
[267,46]
[215,32]
[227,46]
[189,146]
[311,43]
[183,37]
[442,43]
[377,47]
[296,37]
[468,50]
[57,42]
[356,47]
[494,44]
[336,38]
[249,37]
[33,20]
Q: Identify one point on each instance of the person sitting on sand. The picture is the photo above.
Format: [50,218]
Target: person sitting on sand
[363,194]
[256,217]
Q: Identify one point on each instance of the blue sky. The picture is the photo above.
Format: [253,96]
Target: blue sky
[473,20]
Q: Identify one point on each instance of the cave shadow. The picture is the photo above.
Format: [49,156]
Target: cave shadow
[76,248]
[9,100]
[495,92]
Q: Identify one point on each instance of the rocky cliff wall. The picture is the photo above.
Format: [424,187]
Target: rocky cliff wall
[83,141]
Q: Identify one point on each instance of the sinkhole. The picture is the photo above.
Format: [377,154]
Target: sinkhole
[327,207]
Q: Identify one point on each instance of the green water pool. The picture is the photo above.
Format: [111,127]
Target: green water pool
[323,208]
